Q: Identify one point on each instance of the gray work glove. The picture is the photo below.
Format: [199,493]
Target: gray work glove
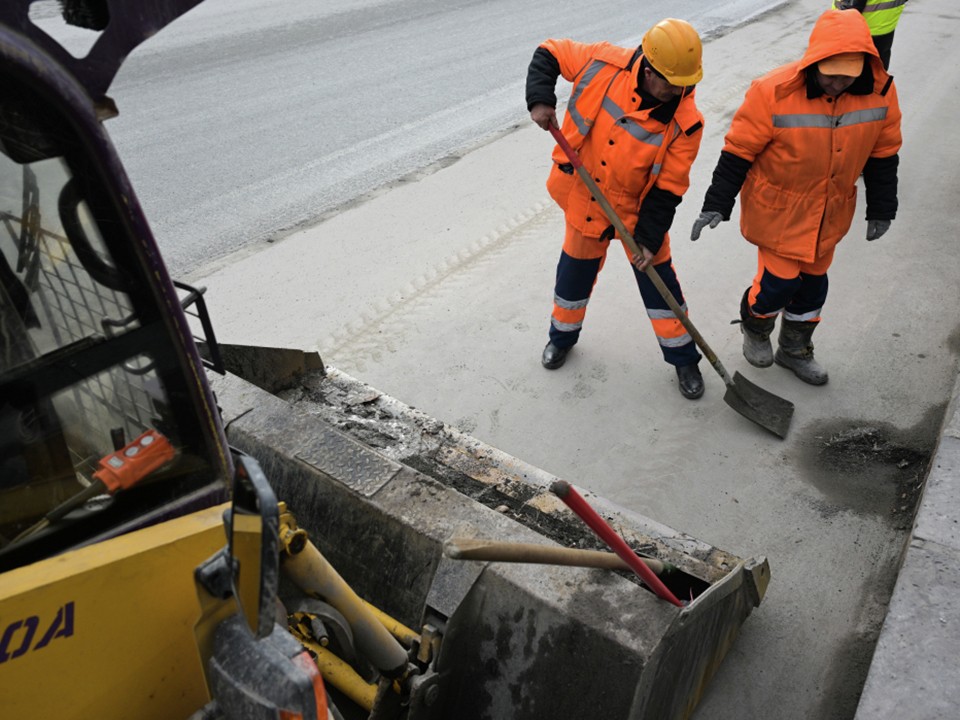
[876,228]
[708,217]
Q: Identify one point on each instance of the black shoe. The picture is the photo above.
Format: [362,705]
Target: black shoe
[553,357]
[690,381]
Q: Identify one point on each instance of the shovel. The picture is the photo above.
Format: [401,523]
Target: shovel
[767,410]
[460,548]
[575,501]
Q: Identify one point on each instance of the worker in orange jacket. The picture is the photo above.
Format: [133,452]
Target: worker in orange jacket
[633,120]
[795,149]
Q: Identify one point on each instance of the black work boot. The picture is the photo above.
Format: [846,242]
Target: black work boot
[796,352]
[756,336]
[690,381]
[553,357]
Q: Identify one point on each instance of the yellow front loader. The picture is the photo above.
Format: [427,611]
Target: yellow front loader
[139,553]
[129,531]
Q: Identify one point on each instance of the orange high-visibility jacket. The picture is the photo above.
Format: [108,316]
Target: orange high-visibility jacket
[800,194]
[620,145]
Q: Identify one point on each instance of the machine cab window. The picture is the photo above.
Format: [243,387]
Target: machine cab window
[99,432]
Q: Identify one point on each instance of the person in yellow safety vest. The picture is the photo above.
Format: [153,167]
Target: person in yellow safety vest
[794,152]
[882,17]
[633,120]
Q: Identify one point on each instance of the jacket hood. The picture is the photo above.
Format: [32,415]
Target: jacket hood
[838,31]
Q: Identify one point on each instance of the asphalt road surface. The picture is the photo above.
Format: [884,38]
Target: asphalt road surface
[245,119]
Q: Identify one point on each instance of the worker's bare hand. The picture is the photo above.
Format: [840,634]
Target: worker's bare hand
[640,262]
[544,116]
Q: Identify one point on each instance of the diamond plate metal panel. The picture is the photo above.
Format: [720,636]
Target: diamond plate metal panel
[345,460]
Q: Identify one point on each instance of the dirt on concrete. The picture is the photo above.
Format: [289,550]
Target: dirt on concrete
[871,467]
[871,451]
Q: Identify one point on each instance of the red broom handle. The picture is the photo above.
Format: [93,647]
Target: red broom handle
[601,527]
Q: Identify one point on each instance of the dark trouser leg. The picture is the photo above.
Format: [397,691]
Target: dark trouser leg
[571,294]
[762,302]
[676,344]
[799,290]
[884,44]
[580,262]
[808,300]
[800,319]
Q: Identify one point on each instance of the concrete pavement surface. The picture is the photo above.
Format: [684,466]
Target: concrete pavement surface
[437,291]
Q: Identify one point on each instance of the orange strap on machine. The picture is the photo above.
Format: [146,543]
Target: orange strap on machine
[122,469]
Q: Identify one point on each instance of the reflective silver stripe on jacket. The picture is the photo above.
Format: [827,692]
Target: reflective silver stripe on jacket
[588,75]
[635,129]
[632,126]
[889,5]
[816,120]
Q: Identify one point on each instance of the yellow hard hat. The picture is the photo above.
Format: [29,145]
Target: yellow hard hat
[673,48]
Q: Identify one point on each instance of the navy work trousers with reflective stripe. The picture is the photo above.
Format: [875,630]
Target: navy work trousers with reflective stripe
[580,263]
[797,289]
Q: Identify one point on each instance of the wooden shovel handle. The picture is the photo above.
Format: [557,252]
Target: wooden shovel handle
[627,237]
[472,549]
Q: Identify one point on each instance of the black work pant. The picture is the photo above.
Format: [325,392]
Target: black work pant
[883,44]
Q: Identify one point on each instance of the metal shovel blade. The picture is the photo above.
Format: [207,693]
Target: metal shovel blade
[767,410]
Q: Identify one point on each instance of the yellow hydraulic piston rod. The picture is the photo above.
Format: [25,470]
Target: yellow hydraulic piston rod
[343,677]
[305,565]
[396,628]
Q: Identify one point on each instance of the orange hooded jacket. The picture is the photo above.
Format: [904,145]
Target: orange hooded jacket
[800,193]
[623,147]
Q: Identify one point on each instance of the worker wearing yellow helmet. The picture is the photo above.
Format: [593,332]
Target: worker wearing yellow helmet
[633,120]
